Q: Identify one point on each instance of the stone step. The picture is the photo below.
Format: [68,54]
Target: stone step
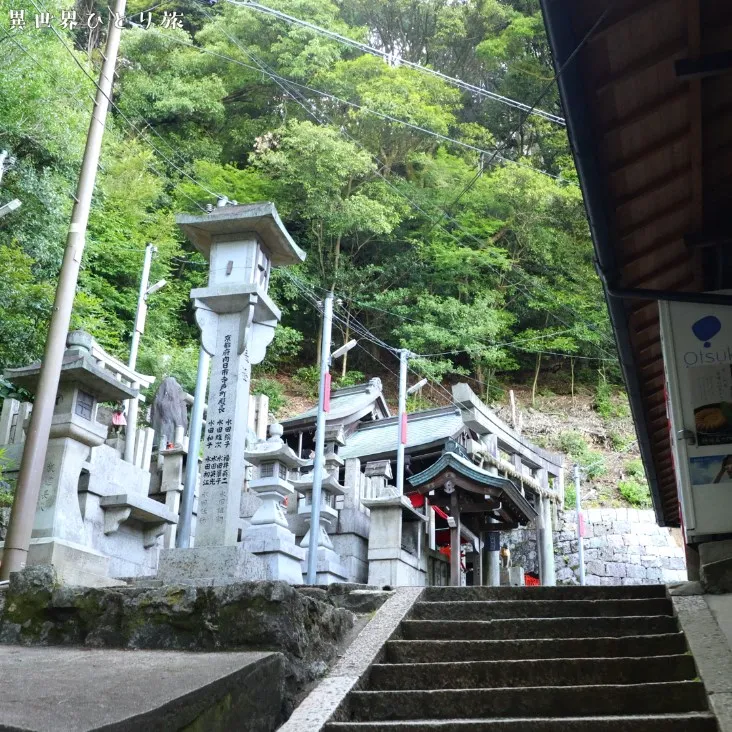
[427,651]
[526,628]
[630,592]
[692,722]
[535,672]
[484,610]
[532,702]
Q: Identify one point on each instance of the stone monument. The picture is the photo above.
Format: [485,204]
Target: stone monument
[237,320]
[169,415]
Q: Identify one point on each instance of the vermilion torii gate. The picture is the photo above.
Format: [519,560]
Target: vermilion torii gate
[474,499]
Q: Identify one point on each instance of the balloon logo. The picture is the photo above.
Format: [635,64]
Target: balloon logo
[706,328]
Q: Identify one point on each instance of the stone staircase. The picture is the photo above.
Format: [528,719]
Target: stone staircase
[543,659]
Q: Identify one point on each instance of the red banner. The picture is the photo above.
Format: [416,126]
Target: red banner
[581,524]
[404,428]
[326,396]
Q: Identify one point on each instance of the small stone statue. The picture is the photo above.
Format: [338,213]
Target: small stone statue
[505,555]
[168,411]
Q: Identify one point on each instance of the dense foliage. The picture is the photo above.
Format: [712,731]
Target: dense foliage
[474,256]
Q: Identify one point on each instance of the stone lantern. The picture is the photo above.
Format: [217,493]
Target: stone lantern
[237,319]
[59,534]
[269,536]
[330,568]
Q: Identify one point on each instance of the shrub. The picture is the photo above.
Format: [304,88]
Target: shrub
[620,441]
[417,402]
[594,464]
[570,496]
[350,379]
[636,492]
[592,461]
[635,469]
[603,401]
[273,389]
[308,378]
[572,443]
[608,404]
[283,350]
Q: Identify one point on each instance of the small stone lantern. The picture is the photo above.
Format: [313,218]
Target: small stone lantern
[269,536]
[330,568]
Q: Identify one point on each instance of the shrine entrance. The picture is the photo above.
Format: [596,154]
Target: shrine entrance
[476,506]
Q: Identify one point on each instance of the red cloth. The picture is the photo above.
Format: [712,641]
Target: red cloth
[417,500]
[531,581]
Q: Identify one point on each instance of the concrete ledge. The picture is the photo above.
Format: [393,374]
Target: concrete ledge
[712,654]
[320,706]
[129,691]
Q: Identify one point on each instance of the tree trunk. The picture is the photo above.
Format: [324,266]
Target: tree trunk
[536,379]
[480,377]
[571,368]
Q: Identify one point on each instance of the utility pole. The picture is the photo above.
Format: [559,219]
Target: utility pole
[30,473]
[320,438]
[183,535]
[403,356]
[578,506]
[139,329]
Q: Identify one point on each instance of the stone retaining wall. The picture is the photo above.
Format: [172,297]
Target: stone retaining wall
[623,546]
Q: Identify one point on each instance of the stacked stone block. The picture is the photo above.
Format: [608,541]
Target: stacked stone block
[623,546]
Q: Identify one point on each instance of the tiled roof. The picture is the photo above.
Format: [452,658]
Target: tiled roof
[424,428]
[344,402]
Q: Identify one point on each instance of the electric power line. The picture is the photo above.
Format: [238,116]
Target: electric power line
[126,119]
[410,64]
[541,95]
[297,98]
[367,110]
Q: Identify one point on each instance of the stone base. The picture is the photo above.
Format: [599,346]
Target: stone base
[395,567]
[513,576]
[353,551]
[329,569]
[282,558]
[213,565]
[395,573]
[75,564]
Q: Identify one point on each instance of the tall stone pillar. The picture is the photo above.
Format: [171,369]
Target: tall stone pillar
[549,574]
[237,321]
[493,548]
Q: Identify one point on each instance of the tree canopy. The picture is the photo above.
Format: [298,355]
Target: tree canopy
[447,222]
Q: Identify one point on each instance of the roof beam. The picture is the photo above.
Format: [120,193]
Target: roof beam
[696,139]
[648,152]
[680,261]
[672,209]
[648,110]
[712,64]
[637,7]
[654,186]
[644,63]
